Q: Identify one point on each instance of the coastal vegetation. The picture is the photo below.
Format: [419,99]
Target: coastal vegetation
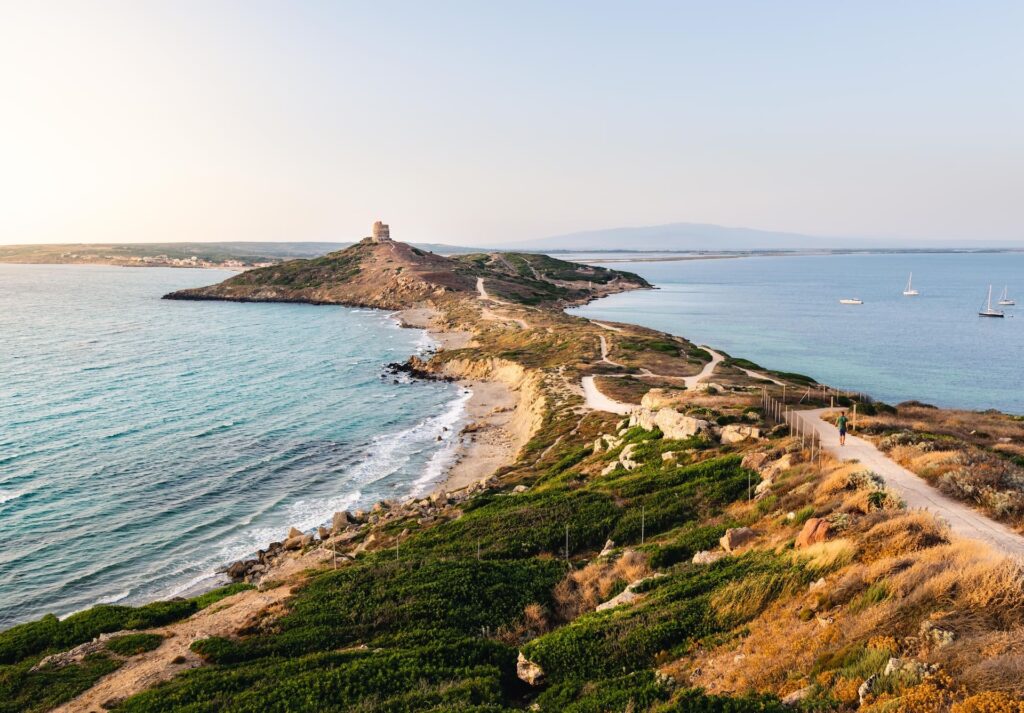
[701,563]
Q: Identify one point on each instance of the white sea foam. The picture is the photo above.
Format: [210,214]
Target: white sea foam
[8,495]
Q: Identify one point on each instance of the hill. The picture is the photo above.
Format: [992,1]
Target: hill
[394,275]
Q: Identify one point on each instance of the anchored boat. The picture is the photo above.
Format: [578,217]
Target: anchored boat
[1005,299]
[851,301]
[988,311]
[910,291]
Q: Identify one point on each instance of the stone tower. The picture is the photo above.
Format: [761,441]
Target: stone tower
[381,232]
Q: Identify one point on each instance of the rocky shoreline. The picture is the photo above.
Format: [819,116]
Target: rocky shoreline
[489,441]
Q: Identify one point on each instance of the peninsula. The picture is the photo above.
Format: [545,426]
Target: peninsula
[664,528]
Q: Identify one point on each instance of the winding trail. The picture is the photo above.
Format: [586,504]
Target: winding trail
[691,381]
[599,402]
[915,491]
[596,400]
[492,316]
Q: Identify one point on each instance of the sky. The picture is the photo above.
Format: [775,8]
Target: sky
[488,122]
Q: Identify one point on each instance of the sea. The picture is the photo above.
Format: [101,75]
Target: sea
[145,443]
[784,313]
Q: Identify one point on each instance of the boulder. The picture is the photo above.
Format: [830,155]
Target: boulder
[609,546]
[627,595]
[763,488]
[293,543]
[612,441]
[814,531]
[643,417]
[610,468]
[708,556]
[306,540]
[626,457]
[738,432]
[783,464]
[340,521]
[798,695]
[676,426]
[294,532]
[599,444]
[754,461]
[529,672]
[519,489]
[668,456]
[323,532]
[867,688]
[736,537]
[935,635]
[907,668]
[656,399]
[237,570]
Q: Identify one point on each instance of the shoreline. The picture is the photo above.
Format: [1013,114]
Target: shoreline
[491,439]
[488,441]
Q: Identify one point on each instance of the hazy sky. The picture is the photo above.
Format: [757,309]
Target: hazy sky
[476,122]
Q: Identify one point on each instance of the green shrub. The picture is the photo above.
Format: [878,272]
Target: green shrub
[634,691]
[692,540]
[519,526]
[676,610]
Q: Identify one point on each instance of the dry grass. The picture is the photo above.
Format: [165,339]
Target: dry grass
[827,556]
[583,589]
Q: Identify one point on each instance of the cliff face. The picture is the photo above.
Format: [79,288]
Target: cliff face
[393,275]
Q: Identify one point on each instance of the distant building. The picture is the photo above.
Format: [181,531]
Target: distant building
[381,232]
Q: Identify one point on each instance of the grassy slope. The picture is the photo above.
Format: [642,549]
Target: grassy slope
[437,622]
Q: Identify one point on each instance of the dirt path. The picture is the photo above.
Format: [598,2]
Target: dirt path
[709,368]
[139,673]
[604,352]
[914,490]
[761,375]
[596,400]
[599,402]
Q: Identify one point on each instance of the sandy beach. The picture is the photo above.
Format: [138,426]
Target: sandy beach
[493,436]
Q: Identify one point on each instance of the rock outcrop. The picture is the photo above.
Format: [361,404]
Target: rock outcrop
[737,432]
[814,531]
[529,672]
[736,537]
[673,424]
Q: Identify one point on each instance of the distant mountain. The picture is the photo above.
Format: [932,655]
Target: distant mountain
[682,237]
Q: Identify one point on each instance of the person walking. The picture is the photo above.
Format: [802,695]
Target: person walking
[842,423]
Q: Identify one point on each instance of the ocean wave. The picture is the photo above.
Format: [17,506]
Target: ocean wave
[7,496]
[211,430]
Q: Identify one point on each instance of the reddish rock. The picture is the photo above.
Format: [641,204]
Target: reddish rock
[815,531]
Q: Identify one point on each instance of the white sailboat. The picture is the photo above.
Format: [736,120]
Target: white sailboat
[988,311]
[910,291]
[851,301]
[1005,299]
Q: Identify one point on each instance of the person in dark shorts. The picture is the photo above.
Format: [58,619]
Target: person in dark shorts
[842,423]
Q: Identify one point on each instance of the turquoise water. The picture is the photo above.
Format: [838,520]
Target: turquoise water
[784,313]
[145,442]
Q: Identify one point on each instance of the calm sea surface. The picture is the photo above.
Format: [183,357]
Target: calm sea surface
[145,442]
[784,313]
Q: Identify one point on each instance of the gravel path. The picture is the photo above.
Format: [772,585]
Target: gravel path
[914,490]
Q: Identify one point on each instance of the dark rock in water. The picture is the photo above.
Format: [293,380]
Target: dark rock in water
[238,570]
[413,369]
